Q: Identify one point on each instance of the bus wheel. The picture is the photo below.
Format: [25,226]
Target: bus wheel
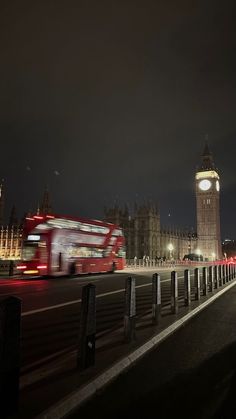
[113,268]
[72,269]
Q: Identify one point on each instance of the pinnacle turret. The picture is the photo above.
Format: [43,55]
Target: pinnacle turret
[45,207]
[207,159]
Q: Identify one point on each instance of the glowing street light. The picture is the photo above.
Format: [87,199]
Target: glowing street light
[198,252]
[170,247]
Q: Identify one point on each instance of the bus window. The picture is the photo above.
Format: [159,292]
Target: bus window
[107,251]
[29,250]
[117,233]
[121,253]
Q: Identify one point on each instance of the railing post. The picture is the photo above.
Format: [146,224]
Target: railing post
[227,272]
[174,292]
[130,310]
[220,275]
[216,277]
[196,284]
[86,352]
[11,268]
[223,274]
[156,298]
[205,281]
[211,281]
[10,325]
[187,288]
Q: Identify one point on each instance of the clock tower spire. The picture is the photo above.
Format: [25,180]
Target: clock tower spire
[208,207]
[207,159]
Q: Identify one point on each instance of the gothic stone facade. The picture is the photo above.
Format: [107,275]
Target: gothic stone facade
[10,243]
[208,207]
[11,236]
[145,237]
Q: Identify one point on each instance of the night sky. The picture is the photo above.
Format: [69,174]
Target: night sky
[108,101]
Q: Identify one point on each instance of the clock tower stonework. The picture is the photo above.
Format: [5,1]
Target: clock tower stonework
[208,208]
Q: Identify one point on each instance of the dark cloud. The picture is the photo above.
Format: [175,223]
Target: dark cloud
[117,98]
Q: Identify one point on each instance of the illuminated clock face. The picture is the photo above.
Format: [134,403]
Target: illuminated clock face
[217,186]
[205,184]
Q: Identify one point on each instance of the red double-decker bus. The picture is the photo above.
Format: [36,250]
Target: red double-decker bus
[56,245]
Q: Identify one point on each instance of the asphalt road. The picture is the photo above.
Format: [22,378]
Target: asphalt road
[51,308]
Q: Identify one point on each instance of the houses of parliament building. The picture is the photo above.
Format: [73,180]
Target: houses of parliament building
[11,235]
[145,237]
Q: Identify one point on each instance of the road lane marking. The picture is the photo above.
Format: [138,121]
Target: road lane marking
[68,303]
[41,310]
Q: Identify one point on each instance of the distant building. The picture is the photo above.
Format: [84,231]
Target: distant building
[146,237]
[13,220]
[11,236]
[2,203]
[46,207]
[208,207]
[10,242]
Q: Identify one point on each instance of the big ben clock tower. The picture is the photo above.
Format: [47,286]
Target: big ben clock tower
[208,208]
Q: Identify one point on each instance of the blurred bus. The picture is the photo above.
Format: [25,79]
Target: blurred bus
[57,245]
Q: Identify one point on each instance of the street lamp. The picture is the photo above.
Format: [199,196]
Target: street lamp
[170,247]
[198,252]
